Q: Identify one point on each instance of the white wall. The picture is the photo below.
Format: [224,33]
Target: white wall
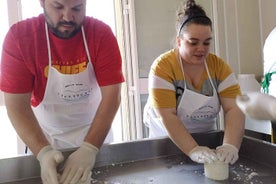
[241,28]
[267,17]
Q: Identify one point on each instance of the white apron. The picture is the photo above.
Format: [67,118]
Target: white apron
[196,111]
[69,105]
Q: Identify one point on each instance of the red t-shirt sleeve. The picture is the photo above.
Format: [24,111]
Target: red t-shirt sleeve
[15,74]
[105,55]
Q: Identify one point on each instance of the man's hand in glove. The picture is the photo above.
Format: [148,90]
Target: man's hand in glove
[227,153]
[202,154]
[79,164]
[49,159]
[257,105]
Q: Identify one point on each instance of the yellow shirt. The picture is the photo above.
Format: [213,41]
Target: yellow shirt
[166,81]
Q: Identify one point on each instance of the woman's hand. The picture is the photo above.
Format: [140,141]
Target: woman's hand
[202,154]
[227,153]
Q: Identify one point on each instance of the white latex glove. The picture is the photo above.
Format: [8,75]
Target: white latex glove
[258,105]
[227,153]
[49,159]
[79,164]
[202,154]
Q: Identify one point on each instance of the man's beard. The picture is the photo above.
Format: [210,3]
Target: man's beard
[65,34]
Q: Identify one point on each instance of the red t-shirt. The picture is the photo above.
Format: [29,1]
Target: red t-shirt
[24,64]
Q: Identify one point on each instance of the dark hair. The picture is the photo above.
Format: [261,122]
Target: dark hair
[189,13]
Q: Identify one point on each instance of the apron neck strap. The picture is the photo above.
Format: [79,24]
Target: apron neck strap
[49,46]
[206,67]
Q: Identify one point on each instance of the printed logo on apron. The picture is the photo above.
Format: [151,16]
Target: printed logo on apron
[75,92]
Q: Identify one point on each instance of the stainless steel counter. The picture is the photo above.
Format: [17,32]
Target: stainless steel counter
[159,162]
[261,126]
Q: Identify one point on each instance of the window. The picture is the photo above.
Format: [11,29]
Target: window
[29,8]
[8,148]
[4,24]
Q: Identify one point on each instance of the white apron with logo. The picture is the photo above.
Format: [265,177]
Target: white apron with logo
[69,105]
[196,111]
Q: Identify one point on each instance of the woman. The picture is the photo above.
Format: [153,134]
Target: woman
[187,87]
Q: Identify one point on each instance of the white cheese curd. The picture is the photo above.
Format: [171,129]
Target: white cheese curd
[216,170]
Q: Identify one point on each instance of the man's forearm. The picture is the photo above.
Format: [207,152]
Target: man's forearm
[23,120]
[111,99]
